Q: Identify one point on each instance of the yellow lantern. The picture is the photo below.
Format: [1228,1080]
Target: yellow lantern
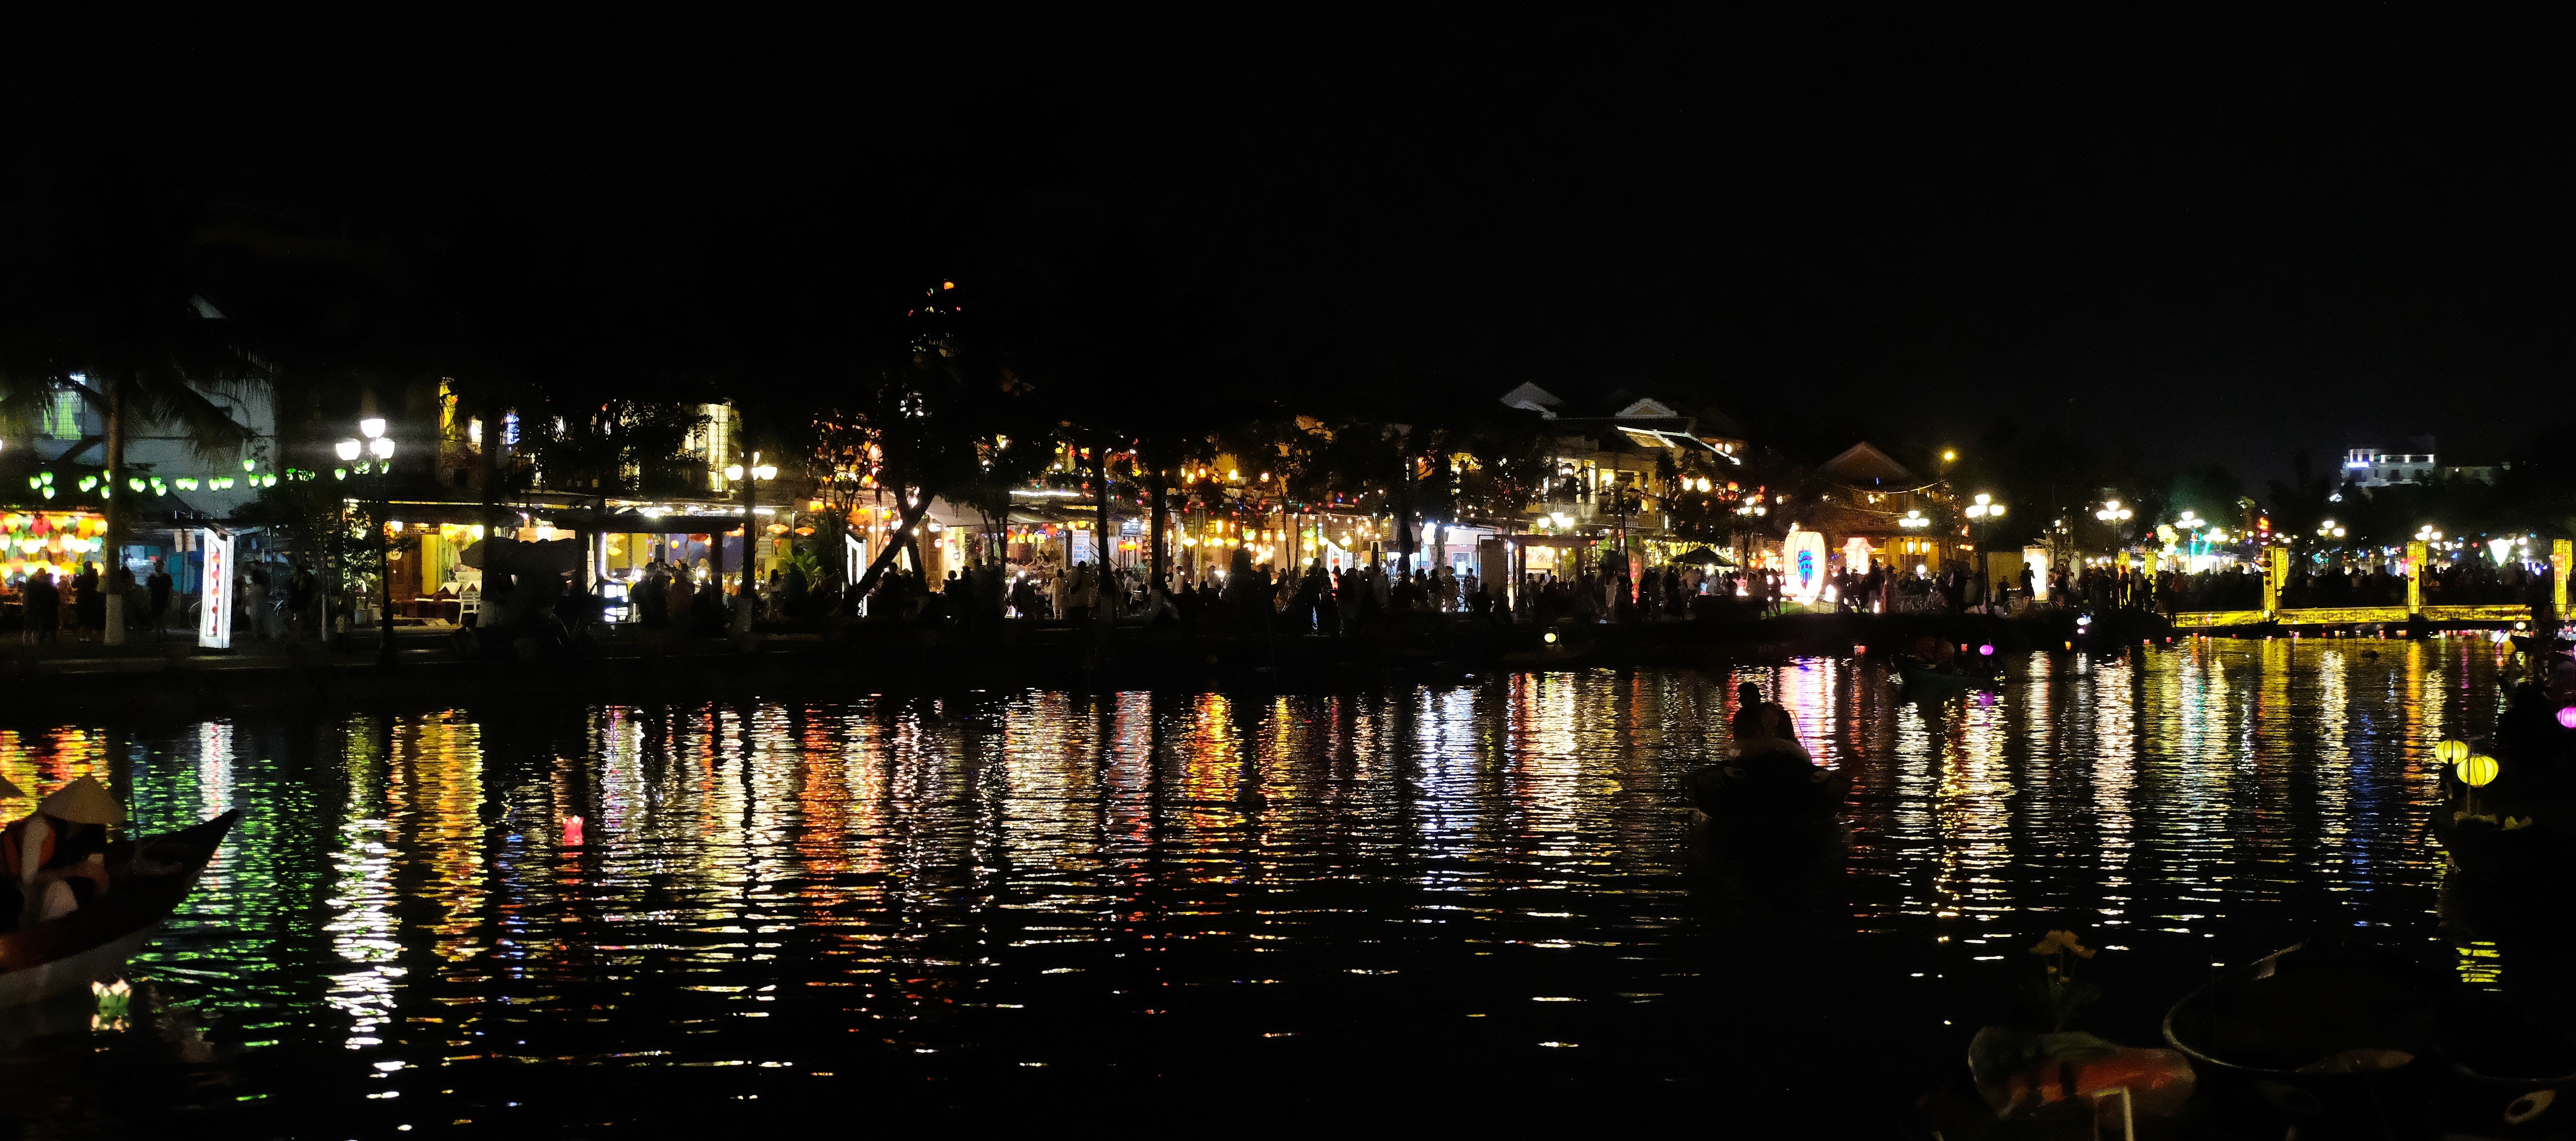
[2478,771]
[2451,752]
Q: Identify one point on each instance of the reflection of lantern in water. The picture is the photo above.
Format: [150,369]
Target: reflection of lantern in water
[1802,557]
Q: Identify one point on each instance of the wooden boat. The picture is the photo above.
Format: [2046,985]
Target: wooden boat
[1767,792]
[2507,1072]
[147,879]
[1922,678]
[2537,850]
[2358,1038]
[2329,1031]
[2538,853]
[2538,645]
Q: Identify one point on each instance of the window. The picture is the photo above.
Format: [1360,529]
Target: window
[715,442]
[63,416]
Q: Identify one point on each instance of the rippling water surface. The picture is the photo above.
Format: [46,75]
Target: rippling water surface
[1435,901]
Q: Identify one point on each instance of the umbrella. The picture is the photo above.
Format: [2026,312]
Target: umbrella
[1706,556]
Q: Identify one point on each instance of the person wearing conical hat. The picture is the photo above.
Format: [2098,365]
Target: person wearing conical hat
[63,841]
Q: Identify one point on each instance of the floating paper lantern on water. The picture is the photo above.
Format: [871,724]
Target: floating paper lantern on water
[2478,771]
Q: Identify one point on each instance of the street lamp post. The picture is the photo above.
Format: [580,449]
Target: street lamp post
[1745,512]
[2117,517]
[381,448]
[1978,512]
[750,477]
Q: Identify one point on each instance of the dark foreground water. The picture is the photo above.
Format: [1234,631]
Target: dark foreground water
[1226,912]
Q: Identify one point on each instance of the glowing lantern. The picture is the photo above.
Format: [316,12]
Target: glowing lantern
[1802,554]
[2478,771]
[2451,752]
[2567,717]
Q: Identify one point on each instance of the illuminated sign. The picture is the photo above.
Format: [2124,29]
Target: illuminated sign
[215,614]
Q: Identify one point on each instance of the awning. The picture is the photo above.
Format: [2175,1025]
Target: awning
[555,556]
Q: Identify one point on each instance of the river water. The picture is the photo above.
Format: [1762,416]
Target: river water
[1235,910]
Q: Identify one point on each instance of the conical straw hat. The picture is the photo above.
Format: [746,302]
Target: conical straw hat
[84,801]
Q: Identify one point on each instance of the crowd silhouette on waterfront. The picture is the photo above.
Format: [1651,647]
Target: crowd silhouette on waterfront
[542,615]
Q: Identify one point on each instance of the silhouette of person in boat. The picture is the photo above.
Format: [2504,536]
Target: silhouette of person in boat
[57,855]
[1769,774]
[1749,710]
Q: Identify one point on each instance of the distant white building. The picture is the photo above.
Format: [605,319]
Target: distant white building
[2370,467]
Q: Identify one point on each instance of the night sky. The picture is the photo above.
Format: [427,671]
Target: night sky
[2225,241]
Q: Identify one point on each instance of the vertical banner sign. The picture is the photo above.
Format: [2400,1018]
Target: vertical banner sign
[2562,554]
[2276,575]
[854,563]
[215,615]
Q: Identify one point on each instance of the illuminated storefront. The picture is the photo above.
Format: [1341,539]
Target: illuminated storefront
[59,541]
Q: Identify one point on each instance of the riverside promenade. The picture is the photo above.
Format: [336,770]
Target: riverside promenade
[175,678]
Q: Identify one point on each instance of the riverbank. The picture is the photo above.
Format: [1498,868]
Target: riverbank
[439,669]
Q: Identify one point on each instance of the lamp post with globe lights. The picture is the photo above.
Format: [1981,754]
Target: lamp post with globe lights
[750,476]
[380,448]
[2116,515]
[1749,509]
[1979,512]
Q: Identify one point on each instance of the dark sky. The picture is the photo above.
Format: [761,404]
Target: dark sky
[2224,239]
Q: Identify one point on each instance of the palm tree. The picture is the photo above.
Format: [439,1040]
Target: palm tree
[103,301]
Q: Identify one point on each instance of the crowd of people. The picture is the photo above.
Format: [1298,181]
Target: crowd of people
[51,606]
[279,602]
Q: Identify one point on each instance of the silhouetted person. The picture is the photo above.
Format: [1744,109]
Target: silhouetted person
[156,587]
[43,609]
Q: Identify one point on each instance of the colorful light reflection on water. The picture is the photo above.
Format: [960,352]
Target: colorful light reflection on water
[1490,888]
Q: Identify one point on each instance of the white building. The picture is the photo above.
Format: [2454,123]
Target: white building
[2370,467]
